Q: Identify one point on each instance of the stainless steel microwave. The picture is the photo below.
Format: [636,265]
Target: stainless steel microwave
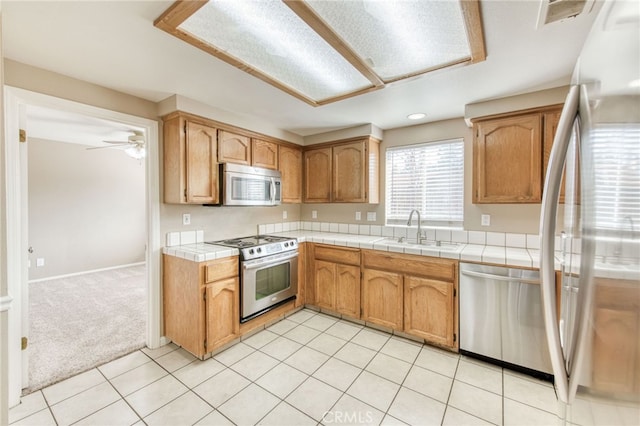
[249,186]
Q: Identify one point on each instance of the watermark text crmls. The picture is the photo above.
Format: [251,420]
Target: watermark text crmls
[350,417]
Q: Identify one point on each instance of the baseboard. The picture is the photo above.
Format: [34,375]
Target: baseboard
[75,274]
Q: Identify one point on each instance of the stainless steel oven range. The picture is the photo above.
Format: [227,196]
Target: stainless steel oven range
[268,272]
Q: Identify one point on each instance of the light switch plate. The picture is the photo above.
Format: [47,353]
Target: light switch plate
[284,214]
[371,216]
[40,262]
[314,214]
[358,215]
[186,219]
[485,220]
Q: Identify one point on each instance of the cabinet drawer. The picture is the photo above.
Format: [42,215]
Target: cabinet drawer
[346,256]
[441,269]
[221,269]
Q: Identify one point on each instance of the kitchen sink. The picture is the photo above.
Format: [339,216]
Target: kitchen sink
[436,245]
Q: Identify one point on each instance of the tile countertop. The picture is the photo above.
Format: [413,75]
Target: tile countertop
[201,252]
[498,255]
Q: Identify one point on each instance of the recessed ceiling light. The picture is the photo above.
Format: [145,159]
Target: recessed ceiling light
[416,116]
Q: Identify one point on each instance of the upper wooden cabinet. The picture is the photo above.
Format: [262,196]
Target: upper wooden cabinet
[290,166]
[344,172]
[234,148]
[190,161]
[264,154]
[508,156]
[317,175]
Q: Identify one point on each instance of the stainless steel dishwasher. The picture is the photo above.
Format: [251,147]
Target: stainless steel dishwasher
[501,316]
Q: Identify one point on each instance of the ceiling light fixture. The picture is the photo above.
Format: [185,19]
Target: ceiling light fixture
[325,51]
[416,116]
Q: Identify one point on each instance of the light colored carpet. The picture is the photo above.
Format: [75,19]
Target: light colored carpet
[80,322]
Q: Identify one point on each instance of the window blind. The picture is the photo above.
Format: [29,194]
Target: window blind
[428,177]
[616,176]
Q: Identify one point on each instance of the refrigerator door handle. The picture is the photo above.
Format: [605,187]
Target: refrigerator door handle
[547,235]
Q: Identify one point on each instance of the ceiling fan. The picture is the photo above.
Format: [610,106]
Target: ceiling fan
[133,146]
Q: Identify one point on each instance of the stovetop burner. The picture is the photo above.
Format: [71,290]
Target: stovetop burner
[259,245]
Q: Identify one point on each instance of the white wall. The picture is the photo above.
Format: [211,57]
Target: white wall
[86,208]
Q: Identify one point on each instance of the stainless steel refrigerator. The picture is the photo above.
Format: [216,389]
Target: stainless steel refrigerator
[592,201]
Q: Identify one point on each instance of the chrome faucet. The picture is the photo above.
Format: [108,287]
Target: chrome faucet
[619,250]
[419,236]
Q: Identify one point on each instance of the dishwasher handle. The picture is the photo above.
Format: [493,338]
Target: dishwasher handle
[500,277]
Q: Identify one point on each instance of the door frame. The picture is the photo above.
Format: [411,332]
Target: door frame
[17,256]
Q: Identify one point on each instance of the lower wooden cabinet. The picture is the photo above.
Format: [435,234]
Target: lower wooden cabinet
[382,294]
[221,304]
[201,303]
[428,309]
[336,279]
[413,294]
[615,347]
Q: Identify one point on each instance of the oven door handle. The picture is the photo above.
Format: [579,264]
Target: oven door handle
[255,264]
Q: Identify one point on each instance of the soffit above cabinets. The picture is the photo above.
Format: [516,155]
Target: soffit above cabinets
[324,51]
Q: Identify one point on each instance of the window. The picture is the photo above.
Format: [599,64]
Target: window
[427,177]
[616,190]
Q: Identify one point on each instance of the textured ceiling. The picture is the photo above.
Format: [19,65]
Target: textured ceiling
[114,44]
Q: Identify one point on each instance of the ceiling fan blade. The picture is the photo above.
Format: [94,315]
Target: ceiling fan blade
[108,146]
[118,142]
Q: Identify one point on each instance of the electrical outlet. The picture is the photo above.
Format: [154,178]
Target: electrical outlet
[314,214]
[40,262]
[485,220]
[284,214]
[371,216]
[186,219]
[358,216]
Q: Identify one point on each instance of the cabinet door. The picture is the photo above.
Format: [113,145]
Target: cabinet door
[233,148]
[290,164]
[317,175]
[349,173]
[614,350]
[201,166]
[382,298]
[348,290]
[264,154]
[222,313]
[325,284]
[429,310]
[507,160]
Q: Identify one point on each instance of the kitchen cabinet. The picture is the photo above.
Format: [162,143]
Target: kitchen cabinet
[382,294]
[190,163]
[413,294]
[290,166]
[428,309]
[344,172]
[509,153]
[336,279]
[234,148]
[264,154]
[551,120]
[317,175]
[201,303]
[616,327]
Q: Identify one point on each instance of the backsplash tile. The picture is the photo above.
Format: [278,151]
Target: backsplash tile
[495,239]
[188,237]
[516,240]
[477,237]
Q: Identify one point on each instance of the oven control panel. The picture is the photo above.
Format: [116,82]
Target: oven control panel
[269,249]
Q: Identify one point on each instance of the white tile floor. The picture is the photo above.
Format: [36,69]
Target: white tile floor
[309,368]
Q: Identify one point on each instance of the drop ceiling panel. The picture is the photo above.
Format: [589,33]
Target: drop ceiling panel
[402,38]
[271,38]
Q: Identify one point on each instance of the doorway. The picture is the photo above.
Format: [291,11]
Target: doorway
[87,238]
[16,102]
